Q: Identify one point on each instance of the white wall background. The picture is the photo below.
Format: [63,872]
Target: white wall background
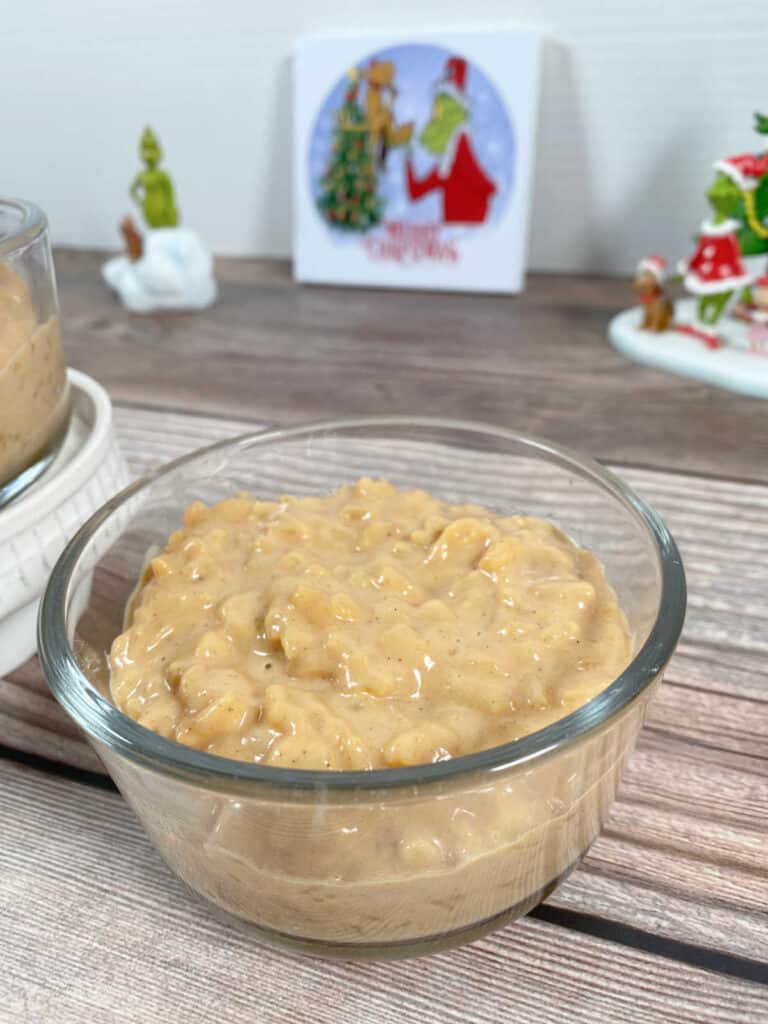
[638,98]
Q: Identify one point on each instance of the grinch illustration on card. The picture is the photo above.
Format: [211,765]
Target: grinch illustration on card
[413,159]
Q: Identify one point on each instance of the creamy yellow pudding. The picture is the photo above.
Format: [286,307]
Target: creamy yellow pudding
[371,628]
[33,391]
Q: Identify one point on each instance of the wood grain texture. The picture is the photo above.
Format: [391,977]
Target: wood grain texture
[98,929]
[92,926]
[683,853]
[538,363]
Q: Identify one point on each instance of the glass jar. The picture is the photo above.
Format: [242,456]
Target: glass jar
[34,399]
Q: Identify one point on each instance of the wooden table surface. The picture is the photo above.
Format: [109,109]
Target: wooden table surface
[667,918]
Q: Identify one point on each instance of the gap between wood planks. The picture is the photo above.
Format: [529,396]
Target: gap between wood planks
[727,964]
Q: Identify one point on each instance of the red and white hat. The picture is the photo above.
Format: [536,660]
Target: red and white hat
[454,83]
[655,265]
[746,170]
[716,265]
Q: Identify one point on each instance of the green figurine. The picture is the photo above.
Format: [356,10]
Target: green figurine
[152,189]
[740,192]
[716,272]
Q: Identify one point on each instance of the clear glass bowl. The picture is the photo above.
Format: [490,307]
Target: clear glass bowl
[34,398]
[305,857]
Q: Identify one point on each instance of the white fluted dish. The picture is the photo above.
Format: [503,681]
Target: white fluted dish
[87,471]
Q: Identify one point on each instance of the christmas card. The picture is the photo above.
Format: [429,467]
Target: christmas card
[412,159]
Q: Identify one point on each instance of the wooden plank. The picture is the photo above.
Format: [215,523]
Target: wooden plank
[677,859]
[139,949]
[539,362]
[678,853]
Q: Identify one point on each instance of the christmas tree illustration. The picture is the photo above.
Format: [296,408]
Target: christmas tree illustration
[348,198]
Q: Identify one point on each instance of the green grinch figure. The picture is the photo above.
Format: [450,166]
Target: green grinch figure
[152,188]
[727,280]
[717,271]
[466,190]
[740,192]
[164,267]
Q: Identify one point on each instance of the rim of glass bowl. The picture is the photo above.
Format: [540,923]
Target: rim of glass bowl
[32,224]
[111,727]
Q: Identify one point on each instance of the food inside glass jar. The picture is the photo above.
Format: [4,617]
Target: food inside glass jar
[33,384]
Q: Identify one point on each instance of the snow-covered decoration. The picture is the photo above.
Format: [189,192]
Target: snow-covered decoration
[721,335]
[174,272]
[741,365]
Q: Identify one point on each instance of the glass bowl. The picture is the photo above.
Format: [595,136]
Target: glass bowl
[390,862]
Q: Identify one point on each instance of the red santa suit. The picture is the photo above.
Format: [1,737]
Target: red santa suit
[467,190]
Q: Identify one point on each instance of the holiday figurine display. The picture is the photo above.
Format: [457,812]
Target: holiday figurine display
[167,267]
[717,334]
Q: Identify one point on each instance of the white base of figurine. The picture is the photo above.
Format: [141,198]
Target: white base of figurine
[741,364]
[175,272]
[34,528]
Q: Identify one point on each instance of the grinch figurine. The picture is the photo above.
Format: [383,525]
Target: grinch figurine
[166,267]
[716,335]
[152,189]
[732,245]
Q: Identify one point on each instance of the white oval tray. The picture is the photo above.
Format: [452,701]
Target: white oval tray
[87,471]
[735,366]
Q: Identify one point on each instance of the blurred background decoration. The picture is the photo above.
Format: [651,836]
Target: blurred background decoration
[412,158]
[165,266]
[715,335]
[634,99]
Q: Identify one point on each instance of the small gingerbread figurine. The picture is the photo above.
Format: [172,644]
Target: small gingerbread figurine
[649,285]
